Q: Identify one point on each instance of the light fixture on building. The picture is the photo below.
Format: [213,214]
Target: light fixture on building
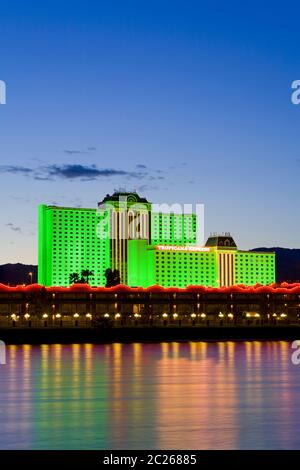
[76,315]
[45,315]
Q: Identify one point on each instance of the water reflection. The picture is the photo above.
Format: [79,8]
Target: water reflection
[158,396]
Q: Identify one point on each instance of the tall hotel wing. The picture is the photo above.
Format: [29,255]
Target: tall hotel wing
[146,247]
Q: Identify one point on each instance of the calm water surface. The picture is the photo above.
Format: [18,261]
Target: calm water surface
[225,395]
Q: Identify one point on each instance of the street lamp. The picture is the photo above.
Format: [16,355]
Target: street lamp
[30,275]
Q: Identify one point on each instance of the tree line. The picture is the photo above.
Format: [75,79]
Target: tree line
[112,277]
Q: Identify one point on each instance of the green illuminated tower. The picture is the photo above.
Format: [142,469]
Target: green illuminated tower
[174,229]
[128,218]
[68,243]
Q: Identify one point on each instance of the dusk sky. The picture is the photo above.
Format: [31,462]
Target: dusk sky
[183,101]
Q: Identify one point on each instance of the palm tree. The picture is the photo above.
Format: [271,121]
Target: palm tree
[112,277]
[74,278]
[108,275]
[117,279]
[86,274]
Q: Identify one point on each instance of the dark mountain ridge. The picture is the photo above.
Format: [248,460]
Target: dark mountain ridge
[15,274]
[287,263]
[287,268]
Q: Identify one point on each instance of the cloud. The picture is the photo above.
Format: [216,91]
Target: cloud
[79,152]
[74,152]
[14,227]
[146,187]
[42,178]
[70,171]
[81,172]
[16,169]
[140,166]
[19,198]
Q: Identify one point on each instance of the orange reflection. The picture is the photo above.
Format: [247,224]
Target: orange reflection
[206,395]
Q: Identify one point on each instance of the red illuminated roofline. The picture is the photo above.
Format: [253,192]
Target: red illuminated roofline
[283,288]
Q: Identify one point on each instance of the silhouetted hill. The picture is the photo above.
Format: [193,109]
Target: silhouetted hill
[287,268]
[14,274]
[287,263]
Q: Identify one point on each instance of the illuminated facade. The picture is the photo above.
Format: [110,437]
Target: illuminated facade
[74,239]
[147,247]
[218,264]
[126,217]
[68,244]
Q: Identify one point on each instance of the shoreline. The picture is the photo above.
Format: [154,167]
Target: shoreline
[148,334]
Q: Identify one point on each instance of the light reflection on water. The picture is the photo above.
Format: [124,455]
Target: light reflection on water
[197,395]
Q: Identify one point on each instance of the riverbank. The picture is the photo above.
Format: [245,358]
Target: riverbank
[147,334]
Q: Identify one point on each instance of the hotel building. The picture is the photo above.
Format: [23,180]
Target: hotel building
[147,247]
[218,264]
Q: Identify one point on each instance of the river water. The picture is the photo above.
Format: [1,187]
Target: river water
[197,395]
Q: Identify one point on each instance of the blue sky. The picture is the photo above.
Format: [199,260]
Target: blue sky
[184,101]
